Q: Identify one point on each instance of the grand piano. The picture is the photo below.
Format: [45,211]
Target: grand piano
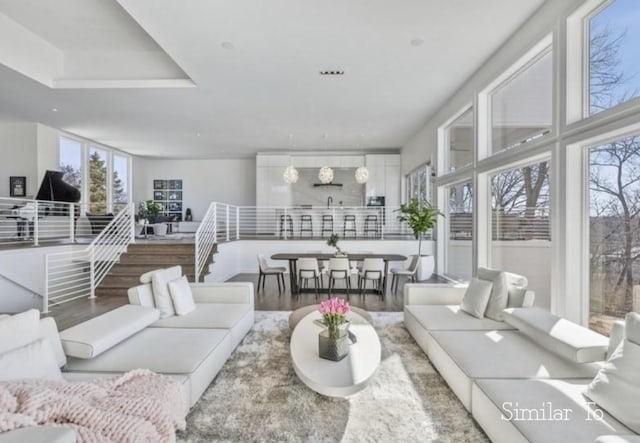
[52,189]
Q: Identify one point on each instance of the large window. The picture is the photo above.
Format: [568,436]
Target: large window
[459,219]
[120,182]
[97,180]
[614,54]
[520,224]
[101,175]
[417,183]
[614,183]
[71,161]
[521,106]
[459,141]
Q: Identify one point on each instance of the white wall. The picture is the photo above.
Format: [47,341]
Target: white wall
[22,277]
[18,148]
[29,149]
[230,181]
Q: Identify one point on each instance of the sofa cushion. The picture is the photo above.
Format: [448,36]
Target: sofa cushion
[19,330]
[39,434]
[499,293]
[146,277]
[181,296]
[93,337]
[207,315]
[451,318]
[529,398]
[616,388]
[163,350]
[476,297]
[141,295]
[160,285]
[519,297]
[496,348]
[632,327]
[559,335]
[34,360]
[49,329]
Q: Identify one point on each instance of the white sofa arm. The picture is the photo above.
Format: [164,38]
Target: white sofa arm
[431,294]
[529,299]
[222,292]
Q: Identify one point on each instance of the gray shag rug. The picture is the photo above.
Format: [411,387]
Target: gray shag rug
[257,396]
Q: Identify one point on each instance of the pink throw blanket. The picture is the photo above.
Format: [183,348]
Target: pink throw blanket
[139,406]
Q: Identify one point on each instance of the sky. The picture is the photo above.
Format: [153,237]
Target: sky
[624,16]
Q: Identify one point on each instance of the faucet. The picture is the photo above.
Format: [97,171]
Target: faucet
[329,201]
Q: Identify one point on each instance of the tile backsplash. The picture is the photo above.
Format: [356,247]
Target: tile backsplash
[350,194]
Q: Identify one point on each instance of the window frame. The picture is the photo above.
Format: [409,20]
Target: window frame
[86,147]
[444,152]
[543,47]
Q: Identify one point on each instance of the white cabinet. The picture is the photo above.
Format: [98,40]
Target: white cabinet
[384,177]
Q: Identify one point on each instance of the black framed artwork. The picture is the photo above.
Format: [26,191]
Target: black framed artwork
[159,184]
[175,184]
[17,186]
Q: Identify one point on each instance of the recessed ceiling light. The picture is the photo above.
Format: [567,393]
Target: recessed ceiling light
[197,134]
[417,42]
[227,45]
[332,72]
[54,110]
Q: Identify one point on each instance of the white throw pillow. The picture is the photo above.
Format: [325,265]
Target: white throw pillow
[35,360]
[476,297]
[632,327]
[19,329]
[499,293]
[616,388]
[160,285]
[182,296]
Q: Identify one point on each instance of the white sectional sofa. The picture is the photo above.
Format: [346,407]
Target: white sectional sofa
[510,373]
[191,348]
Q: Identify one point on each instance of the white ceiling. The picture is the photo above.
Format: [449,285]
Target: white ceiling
[123,76]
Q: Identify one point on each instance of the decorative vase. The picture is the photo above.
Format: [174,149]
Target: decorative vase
[333,343]
[426,268]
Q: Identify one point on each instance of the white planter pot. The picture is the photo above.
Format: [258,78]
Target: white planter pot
[160,229]
[426,268]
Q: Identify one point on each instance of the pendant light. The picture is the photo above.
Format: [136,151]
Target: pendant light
[362,173]
[290,174]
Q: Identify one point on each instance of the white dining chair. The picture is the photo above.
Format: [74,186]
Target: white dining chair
[308,269]
[265,270]
[339,269]
[410,272]
[372,270]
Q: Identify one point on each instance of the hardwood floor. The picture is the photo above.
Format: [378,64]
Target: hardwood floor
[77,311]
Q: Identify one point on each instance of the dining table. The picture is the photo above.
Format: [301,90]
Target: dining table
[292,258]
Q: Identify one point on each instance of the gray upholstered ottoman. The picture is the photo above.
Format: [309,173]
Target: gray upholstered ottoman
[299,314]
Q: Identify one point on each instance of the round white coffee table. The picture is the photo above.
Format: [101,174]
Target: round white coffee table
[335,379]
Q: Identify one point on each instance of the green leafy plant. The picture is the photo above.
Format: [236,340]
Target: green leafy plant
[333,241]
[149,208]
[420,216]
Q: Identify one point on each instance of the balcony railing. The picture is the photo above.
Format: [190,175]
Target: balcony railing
[524,225]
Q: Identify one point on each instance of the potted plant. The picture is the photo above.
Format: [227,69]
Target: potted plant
[421,218]
[149,210]
[333,342]
[333,241]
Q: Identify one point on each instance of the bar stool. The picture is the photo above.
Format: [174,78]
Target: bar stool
[327,224]
[349,225]
[306,224]
[371,224]
[286,224]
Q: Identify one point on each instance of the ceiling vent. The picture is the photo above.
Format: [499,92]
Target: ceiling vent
[332,72]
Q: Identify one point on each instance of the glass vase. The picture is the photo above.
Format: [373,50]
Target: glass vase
[333,343]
